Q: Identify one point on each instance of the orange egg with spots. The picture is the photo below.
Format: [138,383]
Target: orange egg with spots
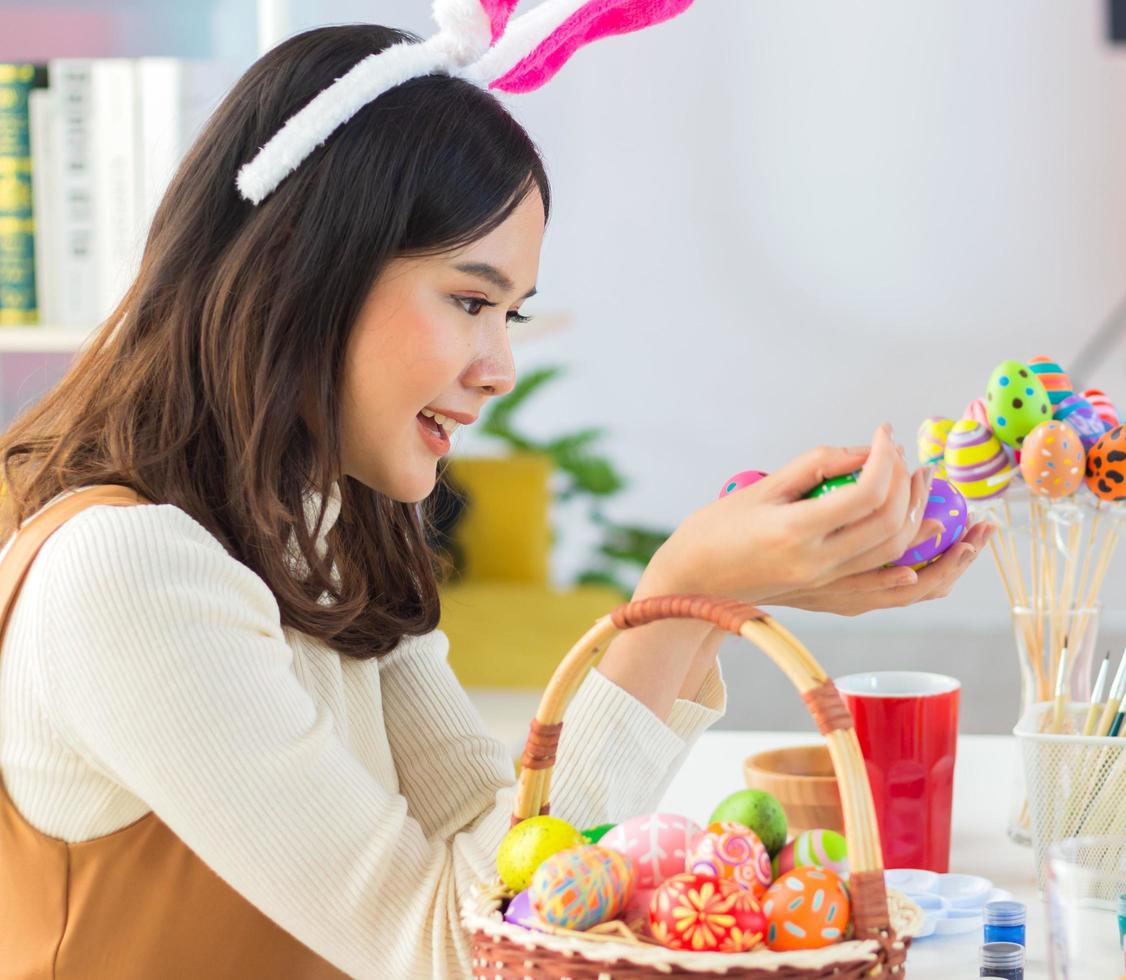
[1052,460]
[806,908]
[1106,465]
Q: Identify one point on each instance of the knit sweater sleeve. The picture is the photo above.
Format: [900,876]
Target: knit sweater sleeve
[165,668]
[615,757]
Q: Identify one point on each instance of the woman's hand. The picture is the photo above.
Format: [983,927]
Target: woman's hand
[765,543]
[888,587]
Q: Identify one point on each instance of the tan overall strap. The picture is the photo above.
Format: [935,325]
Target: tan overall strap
[34,534]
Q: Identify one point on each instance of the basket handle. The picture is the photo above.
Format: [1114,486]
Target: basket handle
[866,879]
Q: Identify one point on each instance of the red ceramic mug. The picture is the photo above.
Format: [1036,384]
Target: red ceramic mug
[907,723]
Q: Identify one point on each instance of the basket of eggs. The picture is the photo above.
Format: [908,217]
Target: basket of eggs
[657,895]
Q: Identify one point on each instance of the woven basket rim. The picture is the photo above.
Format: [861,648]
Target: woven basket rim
[481,913]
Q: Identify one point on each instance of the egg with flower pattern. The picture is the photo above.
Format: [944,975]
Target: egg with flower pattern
[1016,401]
[806,908]
[703,913]
[582,886]
[1053,460]
[736,854]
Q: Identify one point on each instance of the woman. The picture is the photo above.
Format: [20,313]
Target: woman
[231,743]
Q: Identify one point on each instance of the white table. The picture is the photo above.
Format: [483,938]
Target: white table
[982,793]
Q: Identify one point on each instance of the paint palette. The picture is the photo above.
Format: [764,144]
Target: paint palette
[952,904]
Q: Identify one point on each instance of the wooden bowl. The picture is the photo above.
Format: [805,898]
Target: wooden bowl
[801,779]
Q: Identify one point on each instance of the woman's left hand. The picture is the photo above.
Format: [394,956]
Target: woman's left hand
[888,587]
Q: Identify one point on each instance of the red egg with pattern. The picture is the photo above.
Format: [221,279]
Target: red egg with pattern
[703,913]
[1103,406]
[1053,460]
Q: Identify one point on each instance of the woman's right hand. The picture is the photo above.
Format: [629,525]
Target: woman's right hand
[767,541]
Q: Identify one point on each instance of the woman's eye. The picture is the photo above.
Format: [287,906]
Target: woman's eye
[478,304]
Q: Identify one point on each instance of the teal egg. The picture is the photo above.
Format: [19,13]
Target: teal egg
[1016,402]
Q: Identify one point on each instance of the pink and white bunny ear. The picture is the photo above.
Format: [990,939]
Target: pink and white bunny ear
[538,43]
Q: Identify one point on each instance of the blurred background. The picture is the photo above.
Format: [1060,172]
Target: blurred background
[774,225]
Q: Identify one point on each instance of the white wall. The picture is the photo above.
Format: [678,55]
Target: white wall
[779,224]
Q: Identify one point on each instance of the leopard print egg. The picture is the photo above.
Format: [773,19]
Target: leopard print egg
[1106,465]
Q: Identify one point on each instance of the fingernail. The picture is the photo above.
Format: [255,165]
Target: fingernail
[857,450]
[968,555]
[902,452]
[914,513]
[907,578]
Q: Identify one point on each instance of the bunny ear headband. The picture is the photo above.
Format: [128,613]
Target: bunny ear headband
[476,42]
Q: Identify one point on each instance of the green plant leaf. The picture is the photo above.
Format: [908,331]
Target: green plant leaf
[594,474]
[497,419]
[596,577]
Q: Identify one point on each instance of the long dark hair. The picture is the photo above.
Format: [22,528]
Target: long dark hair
[214,385]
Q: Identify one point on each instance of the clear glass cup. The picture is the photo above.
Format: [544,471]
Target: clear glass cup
[1086,876]
[1040,635]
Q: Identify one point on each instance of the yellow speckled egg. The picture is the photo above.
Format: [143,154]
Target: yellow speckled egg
[1053,460]
[531,842]
[582,886]
[975,462]
[931,442]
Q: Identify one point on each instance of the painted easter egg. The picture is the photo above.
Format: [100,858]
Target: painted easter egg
[976,464]
[657,843]
[930,442]
[814,848]
[747,478]
[947,506]
[1053,461]
[527,845]
[736,855]
[1054,379]
[1106,465]
[592,835]
[977,411]
[1080,414]
[1016,402]
[582,886]
[703,913]
[1103,406]
[756,810]
[828,486]
[806,908]
[519,912]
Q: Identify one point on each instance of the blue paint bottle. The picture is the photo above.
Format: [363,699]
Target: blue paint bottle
[1004,922]
[1002,960]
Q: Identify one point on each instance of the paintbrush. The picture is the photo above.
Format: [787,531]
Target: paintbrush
[1097,697]
[1117,691]
[1059,714]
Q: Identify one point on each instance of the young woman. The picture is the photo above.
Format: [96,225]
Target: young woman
[230,742]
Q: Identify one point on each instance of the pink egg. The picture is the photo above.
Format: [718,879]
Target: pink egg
[741,480]
[976,410]
[1053,460]
[657,842]
[1103,407]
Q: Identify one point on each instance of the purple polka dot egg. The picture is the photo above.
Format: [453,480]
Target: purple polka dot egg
[947,506]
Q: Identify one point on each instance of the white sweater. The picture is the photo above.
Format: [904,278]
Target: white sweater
[353,802]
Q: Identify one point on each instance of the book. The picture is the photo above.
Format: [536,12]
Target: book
[40,105]
[17,219]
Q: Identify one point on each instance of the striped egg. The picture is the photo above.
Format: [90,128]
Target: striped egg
[1016,401]
[1103,406]
[1054,379]
[817,848]
[977,411]
[1080,414]
[1053,460]
[806,908]
[976,464]
[582,886]
[931,442]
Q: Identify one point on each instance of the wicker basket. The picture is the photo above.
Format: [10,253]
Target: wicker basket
[881,927]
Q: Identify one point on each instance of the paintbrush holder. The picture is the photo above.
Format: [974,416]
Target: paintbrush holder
[1040,636]
[1076,784]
